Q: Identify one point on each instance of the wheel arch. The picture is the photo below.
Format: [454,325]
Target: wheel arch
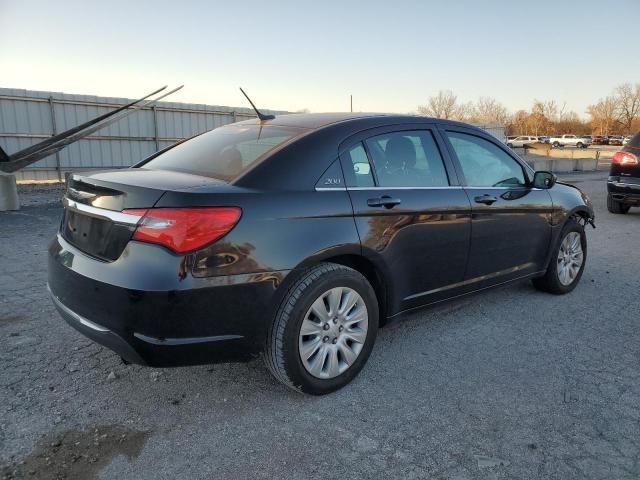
[353,258]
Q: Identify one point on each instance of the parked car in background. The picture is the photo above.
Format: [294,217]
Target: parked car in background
[294,238]
[599,140]
[623,184]
[616,139]
[569,141]
[544,139]
[521,141]
[511,137]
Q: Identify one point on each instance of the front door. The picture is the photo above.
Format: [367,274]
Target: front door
[510,225]
[412,217]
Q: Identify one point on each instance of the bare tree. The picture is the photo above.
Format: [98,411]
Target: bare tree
[488,110]
[444,105]
[603,115]
[627,109]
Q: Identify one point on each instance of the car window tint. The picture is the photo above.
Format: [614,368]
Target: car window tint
[223,153]
[407,159]
[362,174]
[483,163]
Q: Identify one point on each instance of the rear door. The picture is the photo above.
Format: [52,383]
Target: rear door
[511,227]
[412,216]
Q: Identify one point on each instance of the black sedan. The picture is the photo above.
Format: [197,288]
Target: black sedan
[623,184]
[295,238]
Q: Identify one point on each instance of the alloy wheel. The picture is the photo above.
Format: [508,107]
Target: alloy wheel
[570,258]
[333,332]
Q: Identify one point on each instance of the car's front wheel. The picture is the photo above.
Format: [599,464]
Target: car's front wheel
[567,261]
[556,144]
[324,330]
[580,145]
[616,207]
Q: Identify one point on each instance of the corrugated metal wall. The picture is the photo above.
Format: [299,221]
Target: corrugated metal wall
[28,117]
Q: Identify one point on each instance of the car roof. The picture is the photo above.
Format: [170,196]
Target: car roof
[315,121]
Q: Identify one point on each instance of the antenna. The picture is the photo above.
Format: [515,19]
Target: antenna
[260,115]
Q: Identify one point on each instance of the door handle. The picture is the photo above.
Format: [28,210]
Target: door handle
[486,199]
[385,201]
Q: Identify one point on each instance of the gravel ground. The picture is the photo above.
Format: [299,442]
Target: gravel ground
[512,383]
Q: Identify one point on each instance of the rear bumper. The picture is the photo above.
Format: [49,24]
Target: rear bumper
[625,192]
[160,316]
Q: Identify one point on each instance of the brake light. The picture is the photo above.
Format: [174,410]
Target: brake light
[624,158]
[184,229]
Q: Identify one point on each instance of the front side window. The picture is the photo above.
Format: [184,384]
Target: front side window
[223,153]
[407,159]
[483,163]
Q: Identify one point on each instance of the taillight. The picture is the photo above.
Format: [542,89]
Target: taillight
[624,158]
[184,229]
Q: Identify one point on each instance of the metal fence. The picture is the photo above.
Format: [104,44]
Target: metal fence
[28,117]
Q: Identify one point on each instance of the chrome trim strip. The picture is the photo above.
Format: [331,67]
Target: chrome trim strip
[114,216]
[406,188]
[184,341]
[331,189]
[622,184]
[452,187]
[75,316]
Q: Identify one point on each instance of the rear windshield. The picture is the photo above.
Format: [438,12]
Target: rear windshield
[223,153]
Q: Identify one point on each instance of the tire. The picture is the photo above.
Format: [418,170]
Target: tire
[616,207]
[580,145]
[283,352]
[552,281]
[510,145]
[556,144]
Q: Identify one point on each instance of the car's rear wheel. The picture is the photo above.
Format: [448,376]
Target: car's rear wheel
[567,261]
[615,206]
[580,145]
[510,145]
[556,144]
[324,330]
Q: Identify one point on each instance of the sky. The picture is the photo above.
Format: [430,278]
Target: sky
[292,55]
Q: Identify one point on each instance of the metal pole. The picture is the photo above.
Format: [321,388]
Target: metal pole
[54,131]
[234,116]
[351,98]
[155,128]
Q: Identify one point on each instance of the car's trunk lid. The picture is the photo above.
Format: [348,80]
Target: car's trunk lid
[93,219]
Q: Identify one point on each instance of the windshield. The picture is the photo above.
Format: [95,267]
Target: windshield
[223,153]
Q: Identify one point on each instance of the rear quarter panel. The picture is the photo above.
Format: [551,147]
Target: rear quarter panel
[278,230]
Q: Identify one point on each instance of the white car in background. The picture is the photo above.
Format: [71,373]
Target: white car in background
[521,141]
[570,141]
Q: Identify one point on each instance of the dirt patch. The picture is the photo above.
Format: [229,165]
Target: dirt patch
[10,319]
[76,454]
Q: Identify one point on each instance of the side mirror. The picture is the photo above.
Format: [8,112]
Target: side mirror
[544,180]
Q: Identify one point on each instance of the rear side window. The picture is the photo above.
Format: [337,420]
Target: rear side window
[362,175]
[224,153]
[407,159]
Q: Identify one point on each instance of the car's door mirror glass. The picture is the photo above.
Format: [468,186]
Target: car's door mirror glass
[361,168]
[544,180]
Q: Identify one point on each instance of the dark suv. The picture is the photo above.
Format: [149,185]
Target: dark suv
[296,237]
[623,184]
